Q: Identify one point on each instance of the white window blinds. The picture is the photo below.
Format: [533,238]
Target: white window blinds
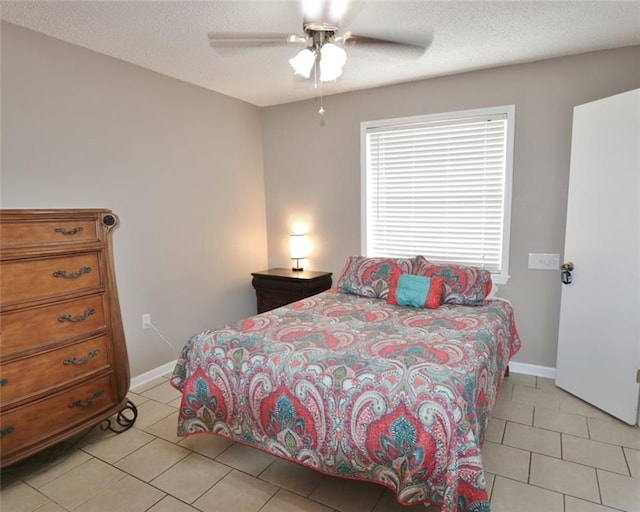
[440,188]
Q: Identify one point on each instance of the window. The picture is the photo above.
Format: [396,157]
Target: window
[440,186]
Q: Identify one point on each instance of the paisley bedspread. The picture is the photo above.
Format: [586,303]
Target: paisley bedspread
[358,388]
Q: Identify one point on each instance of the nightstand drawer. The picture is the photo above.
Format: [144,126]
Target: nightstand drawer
[25,329]
[26,234]
[45,418]
[33,279]
[48,370]
[280,286]
[267,301]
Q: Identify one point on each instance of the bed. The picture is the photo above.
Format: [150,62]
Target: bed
[351,384]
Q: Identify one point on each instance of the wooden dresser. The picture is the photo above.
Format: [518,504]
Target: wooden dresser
[63,358]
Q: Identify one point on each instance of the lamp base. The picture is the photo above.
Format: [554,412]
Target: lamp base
[297,269]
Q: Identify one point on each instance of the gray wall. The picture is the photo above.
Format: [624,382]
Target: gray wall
[312,167]
[180,165]
[183,168]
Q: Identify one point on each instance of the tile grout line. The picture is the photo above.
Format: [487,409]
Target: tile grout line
[626,459]
[599,489]
[378,501]
[558,492]
[258,477]
[176,497]
[231,468]
[529,470]
[595,469]
[112,463]
[539,487]
[61,457]
[165,495]
[533,420]
[102,490]
[151,484]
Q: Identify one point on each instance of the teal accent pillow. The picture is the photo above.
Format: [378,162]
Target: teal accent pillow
[412,290]
[415,291]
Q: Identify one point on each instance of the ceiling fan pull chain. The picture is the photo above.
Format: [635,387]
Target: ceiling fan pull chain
[321,111]
[315,85]
[315,71]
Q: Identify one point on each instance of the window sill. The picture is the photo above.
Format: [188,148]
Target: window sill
[500,278]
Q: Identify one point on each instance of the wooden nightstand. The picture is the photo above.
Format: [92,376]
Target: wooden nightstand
[279,286]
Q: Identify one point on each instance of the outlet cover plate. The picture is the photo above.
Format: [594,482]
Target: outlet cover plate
[544,261]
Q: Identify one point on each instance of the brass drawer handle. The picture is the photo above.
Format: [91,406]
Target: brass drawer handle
[88,401]
[73,231]
[6,431]
[83,360]
[4,382]
[79,318]
[73,275]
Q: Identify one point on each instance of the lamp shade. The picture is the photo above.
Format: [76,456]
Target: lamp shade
[298,246]
[299,249]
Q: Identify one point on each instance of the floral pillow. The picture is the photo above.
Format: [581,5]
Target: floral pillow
[371,277]
[464,285]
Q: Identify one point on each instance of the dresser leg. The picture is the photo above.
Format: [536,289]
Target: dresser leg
[125,419]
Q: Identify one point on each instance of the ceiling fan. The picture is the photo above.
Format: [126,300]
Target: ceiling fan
[324,42]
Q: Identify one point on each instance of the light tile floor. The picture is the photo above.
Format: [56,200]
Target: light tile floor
[545,450]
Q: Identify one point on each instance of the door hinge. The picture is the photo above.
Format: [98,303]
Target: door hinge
[638,377]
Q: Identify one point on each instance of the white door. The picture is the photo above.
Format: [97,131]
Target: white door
[599,335]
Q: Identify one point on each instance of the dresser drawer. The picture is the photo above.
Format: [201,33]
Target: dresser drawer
[47,370]
[63,357]
[45,418]
[47,277]
[25,329]
[26,234]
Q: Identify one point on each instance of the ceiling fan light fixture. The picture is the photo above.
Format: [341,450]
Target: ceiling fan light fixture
[303,63]
[332,59]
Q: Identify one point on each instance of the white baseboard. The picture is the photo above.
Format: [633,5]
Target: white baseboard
[139,380]
[532,369]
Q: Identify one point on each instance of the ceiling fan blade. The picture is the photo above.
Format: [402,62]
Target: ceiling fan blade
[250,39]
[411,48]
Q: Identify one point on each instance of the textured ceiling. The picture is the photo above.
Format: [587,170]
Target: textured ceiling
[171,38]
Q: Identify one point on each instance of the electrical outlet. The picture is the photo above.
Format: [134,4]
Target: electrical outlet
[146,321]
